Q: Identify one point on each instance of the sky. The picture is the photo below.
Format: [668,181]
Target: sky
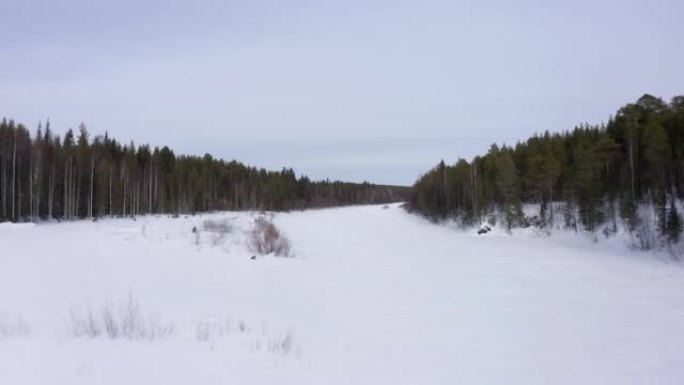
[353,90]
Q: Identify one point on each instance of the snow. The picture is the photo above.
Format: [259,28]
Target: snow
[372,296]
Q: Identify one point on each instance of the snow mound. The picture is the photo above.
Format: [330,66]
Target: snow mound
[15,226]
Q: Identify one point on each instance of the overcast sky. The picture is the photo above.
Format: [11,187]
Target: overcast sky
[345,89]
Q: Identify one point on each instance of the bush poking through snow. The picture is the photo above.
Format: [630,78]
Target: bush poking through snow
[213,328]
[217,226]
[13,326]
[125,321]
[281,345]
[265,239]
[219,229]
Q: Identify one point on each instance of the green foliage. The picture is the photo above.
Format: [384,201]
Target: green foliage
[673,228]
[594,173]
[507,183]
[79,177]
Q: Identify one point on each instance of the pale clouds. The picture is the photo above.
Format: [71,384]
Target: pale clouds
[386,88]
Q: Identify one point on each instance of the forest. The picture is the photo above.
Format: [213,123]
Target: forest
[626,173]
[43,177]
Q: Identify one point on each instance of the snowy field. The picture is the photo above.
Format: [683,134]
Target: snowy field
[371,296]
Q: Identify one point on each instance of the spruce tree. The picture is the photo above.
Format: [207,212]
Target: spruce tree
[674,224]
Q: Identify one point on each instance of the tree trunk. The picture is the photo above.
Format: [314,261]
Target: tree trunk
[111,172]
[31,175]
[51,190]
[14,175]
[125,187]
[149,196]
[92,184]
[3,192]
[65,209]
[631,164]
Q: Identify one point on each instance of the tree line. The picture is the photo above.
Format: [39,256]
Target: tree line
[628,172]
[45,176]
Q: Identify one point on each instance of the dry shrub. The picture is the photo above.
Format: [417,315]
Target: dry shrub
[217,226]
[125,321]
[281,345]
[265,239]
[13,326]
[219,229]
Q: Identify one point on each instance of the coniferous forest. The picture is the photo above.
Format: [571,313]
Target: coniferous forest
[43,176]
[627,173]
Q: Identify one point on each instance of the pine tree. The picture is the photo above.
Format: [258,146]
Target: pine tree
[674,224]
[508,185]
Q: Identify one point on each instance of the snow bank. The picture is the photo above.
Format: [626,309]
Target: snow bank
[15,226]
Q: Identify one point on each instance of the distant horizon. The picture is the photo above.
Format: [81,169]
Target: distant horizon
[189,146]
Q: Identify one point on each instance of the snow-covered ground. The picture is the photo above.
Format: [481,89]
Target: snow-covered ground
[372,296]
